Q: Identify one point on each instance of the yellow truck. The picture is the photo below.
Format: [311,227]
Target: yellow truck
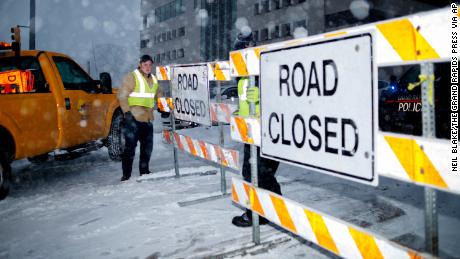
[55,105]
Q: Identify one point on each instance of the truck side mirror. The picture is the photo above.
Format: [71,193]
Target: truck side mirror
[106,83]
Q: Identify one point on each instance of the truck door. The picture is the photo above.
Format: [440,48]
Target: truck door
[86,106]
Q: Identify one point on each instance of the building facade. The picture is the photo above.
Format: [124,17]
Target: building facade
[191,31]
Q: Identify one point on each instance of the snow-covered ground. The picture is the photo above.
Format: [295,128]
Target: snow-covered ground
[79,209]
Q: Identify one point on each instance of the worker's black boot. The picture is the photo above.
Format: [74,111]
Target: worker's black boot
[245,220]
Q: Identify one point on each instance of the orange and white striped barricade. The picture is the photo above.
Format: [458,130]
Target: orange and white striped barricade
[198,148]
[163,73]
[219,71]
[222,112]
[245,130]
[418,160]
[412,159]
[165,104]
[422,36]
[333,234]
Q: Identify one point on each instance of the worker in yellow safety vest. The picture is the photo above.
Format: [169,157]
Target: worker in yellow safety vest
[137,97]
[266,167]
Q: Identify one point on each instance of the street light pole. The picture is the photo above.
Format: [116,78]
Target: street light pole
[32,25]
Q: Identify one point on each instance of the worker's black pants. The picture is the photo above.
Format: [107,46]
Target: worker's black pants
[135,131]
[266,169]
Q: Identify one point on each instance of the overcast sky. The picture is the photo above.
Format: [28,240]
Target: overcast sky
[73,27]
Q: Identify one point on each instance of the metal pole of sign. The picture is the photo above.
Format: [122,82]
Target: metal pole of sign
[223,183]
[173,124]
[254,173]
[429,130]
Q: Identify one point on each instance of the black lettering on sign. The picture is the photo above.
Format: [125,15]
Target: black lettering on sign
[203,109]
[195,82]
[300,143]
[328,134]
[189,85]
[315,133]
[179,82]
[186,106]
[331,63]
[177,104]
[197,109]
[314,85]
[351,124]
[192,107]
[284,81]
[283,140]
[297,66]
[273,115]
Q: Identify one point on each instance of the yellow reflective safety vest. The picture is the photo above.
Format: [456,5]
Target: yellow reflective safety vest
[243,109]
[143,94]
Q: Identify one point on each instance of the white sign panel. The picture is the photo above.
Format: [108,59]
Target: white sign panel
[317,106]
[190,93]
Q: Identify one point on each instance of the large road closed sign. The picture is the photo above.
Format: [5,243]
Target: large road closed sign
[317,106]
[190,93]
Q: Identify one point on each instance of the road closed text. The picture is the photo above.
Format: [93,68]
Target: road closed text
[317,106]
[190,93]
[189,106]
[314,133]
[311,131]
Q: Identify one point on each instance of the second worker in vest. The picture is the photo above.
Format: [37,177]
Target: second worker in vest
[266,167]
[137,97]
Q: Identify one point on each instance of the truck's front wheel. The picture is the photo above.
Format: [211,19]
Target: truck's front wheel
[5,174]
[116,140]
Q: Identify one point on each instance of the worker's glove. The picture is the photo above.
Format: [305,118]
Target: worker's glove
[252,94]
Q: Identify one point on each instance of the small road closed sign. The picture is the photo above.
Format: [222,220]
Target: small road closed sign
[190,93]
[317,106]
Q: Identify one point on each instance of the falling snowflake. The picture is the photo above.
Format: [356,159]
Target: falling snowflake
[360,9]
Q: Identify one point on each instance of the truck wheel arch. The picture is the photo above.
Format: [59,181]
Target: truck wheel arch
[7,149]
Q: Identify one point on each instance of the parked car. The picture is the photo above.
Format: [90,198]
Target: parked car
[229,94]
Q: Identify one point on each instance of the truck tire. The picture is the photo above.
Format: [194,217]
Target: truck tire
[5,174]
[116,140]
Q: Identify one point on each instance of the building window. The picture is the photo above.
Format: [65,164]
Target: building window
[144,21]
[182,31]
[157,58]
[174,33]
[163,57]
[300,1]
[168,55]
[265,6]
[173,54]
[144,43]
[169,35]
[264,34]
[163,36]
[180,53]
[275,32]
[286,30]
[169,10]
[275,4]
[256,9]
